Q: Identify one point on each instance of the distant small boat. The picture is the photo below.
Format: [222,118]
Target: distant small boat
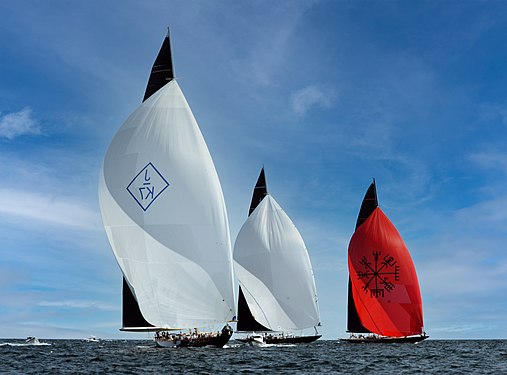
[384,302]
[277,293]
[92,339]
[32,340]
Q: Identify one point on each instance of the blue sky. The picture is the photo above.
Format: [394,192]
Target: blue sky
[324,94]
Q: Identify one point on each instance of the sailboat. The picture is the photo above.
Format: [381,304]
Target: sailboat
[277,293]
[384,299]
[164,214]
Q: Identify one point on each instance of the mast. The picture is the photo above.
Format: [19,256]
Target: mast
[246,321]
[161,73]
[368,205]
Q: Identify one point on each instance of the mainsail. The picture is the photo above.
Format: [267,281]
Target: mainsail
[385,289]
[164,212]
[274,270]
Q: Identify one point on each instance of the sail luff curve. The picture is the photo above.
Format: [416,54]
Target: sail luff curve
[164,213]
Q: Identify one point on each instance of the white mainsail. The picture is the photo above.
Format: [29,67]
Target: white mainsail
[164,213]
[274,270]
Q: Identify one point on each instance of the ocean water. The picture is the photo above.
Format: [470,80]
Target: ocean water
[321,357]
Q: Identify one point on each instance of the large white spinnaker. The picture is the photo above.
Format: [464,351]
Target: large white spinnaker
[274,270]
[164,213]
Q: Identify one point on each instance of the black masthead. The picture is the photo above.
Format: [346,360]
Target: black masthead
[162,71]
[369,204]
[260,191]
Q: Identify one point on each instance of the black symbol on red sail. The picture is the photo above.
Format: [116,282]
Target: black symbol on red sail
[378,274]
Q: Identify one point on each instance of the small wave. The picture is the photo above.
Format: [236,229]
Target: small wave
[17,344]
[231,346]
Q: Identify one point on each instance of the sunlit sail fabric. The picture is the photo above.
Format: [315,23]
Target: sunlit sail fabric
[274,270]
[384,281]
[164,213]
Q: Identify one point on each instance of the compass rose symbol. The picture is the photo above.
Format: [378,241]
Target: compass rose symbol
[378,273]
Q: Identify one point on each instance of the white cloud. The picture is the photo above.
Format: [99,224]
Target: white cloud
[49,209]
[487,212]
[16,124]
[266,41]
[79,305]
[492,112]
[311,96]
[493,160]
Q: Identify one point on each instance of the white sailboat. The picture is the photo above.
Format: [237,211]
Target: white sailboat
[165,217]
[277,288]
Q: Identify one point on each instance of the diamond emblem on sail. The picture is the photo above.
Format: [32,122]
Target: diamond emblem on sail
[147,186]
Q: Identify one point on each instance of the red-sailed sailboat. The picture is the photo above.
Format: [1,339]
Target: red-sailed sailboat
[384,298]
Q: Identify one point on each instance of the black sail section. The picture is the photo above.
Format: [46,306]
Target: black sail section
[260,191]
[369,204]
[161,73]
[131,314]
[162,70]
[246,321]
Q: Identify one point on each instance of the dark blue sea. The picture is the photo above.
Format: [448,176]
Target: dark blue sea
[332,357]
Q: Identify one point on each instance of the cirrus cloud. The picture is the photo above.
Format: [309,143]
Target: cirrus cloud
[311,96]
[46,208]
[15,124]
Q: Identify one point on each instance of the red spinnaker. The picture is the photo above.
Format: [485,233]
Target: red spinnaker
[384,282]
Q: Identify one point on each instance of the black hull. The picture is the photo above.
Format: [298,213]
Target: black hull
[196,342]
[286,340]
[385,340]
[292,340]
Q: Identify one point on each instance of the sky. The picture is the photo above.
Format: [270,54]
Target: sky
[325,94]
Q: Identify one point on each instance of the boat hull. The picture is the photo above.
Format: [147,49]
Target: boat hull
[385,340]
[285,340]
[255,340]
[195,342]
